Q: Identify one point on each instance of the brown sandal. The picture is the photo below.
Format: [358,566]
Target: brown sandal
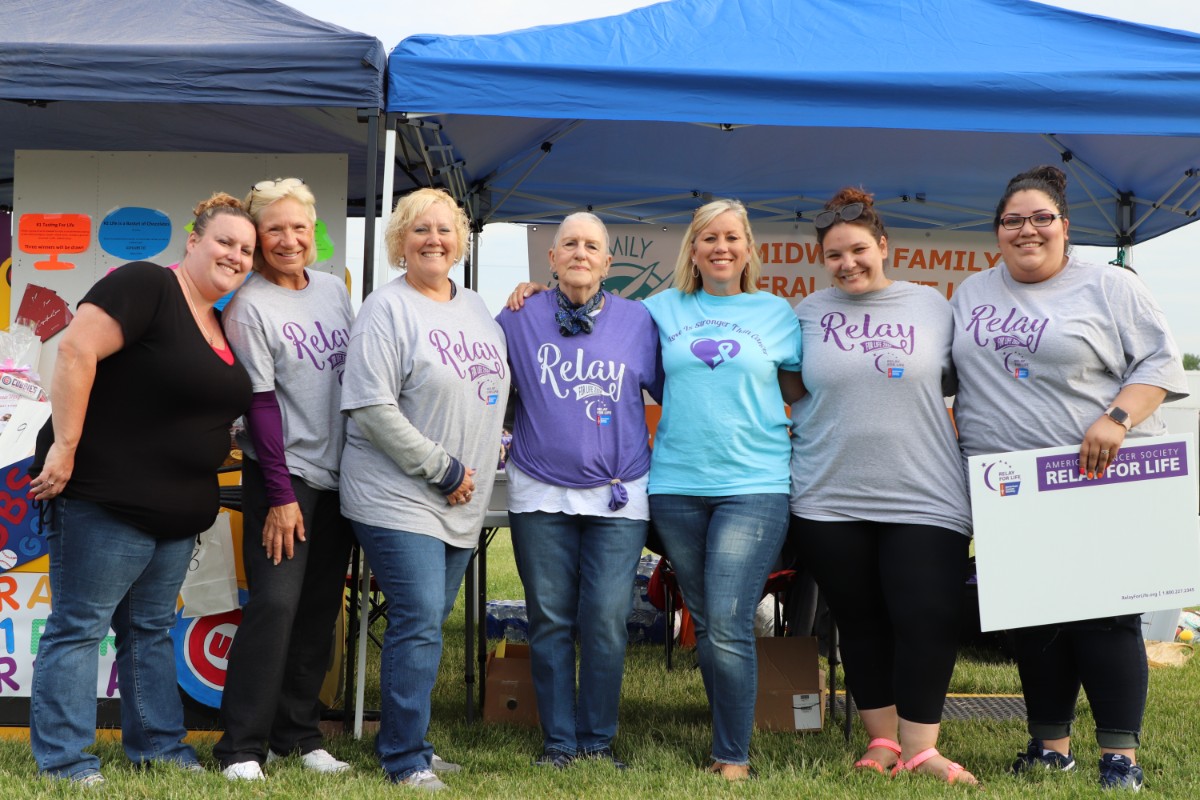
[731,772]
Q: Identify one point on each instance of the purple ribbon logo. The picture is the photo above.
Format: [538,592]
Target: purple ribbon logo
[713,352]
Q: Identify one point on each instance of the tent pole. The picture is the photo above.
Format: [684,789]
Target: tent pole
[380,270]
[351,700]
[473,267]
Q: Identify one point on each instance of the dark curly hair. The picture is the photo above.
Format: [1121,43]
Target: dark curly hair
[1050,181]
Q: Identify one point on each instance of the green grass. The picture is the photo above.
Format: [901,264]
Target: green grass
[665,735]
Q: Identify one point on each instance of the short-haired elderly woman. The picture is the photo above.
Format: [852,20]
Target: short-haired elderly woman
[290,326]
[577,478]
[425,387]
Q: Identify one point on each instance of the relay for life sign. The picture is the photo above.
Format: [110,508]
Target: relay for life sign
[1053,546]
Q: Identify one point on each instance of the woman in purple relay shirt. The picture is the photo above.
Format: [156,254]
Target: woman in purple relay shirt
[577,476]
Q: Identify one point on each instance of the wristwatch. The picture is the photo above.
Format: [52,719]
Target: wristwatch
[1119,416]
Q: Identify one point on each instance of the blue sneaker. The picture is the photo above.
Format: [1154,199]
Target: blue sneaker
[555,759]
[604,754]
[1118,772]
[1036,756]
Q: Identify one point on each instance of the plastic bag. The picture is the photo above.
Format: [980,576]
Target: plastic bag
[1167,654]
[211,583]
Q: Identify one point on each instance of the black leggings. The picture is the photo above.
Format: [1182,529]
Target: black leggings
[896,592]
[1107,657]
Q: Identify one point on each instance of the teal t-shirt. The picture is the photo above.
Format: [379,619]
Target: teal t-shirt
[723,429]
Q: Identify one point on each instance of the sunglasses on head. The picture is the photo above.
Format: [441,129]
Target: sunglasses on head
[1014,222]
[847,213]
[285,183]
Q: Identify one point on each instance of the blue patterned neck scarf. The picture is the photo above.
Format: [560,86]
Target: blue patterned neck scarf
[573,319]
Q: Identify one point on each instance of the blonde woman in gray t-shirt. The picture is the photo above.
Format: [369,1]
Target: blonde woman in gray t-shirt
[425,387]
[879,497]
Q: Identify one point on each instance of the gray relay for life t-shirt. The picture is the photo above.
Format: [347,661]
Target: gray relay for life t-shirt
[1038,363]
[872,439]
[445,365]
[293,342]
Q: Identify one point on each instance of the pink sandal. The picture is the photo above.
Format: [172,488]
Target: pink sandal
[952,773]
[870,763]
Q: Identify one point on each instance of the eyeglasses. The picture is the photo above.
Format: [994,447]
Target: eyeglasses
[847,213]
[284,183]
[1015,222]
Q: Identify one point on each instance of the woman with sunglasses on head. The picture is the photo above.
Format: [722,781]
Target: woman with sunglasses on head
[881,508]
[145,388]
[290,326]
[1099,366]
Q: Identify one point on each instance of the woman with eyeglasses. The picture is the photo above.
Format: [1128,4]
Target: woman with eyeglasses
[879,498]
[1091,366]
[290,326]
[145,388]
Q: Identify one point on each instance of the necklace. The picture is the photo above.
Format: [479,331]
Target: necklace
[195,315]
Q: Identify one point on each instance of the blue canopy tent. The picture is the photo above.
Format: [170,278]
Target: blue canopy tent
[224,76]
[931,104]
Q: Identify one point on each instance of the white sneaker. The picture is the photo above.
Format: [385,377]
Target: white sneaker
[244,771]
[321,761]
[439,764]
[90,780]
[423,779]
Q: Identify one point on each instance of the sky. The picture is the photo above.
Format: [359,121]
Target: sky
[1168,264]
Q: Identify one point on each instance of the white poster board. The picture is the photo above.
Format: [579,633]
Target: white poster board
[1053,546]
[79,214]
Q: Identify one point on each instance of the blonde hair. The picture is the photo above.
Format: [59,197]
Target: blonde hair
[219,204]
[686,279]
[408,208]
[269,192]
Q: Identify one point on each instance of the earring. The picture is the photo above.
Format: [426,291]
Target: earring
[695,270]
[554,275]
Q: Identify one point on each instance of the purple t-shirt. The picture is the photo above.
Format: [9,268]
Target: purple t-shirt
[580,418]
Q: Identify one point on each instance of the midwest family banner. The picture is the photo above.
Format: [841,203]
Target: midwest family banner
[644,257]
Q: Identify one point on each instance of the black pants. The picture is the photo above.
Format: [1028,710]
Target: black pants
[281,650]
[1107,657]
[896,592]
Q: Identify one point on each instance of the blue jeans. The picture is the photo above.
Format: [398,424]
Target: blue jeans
[577,570]
[722,549]
[106,572]
[420,576]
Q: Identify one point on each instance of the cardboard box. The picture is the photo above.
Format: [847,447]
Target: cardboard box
[791,688]
[508,689]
